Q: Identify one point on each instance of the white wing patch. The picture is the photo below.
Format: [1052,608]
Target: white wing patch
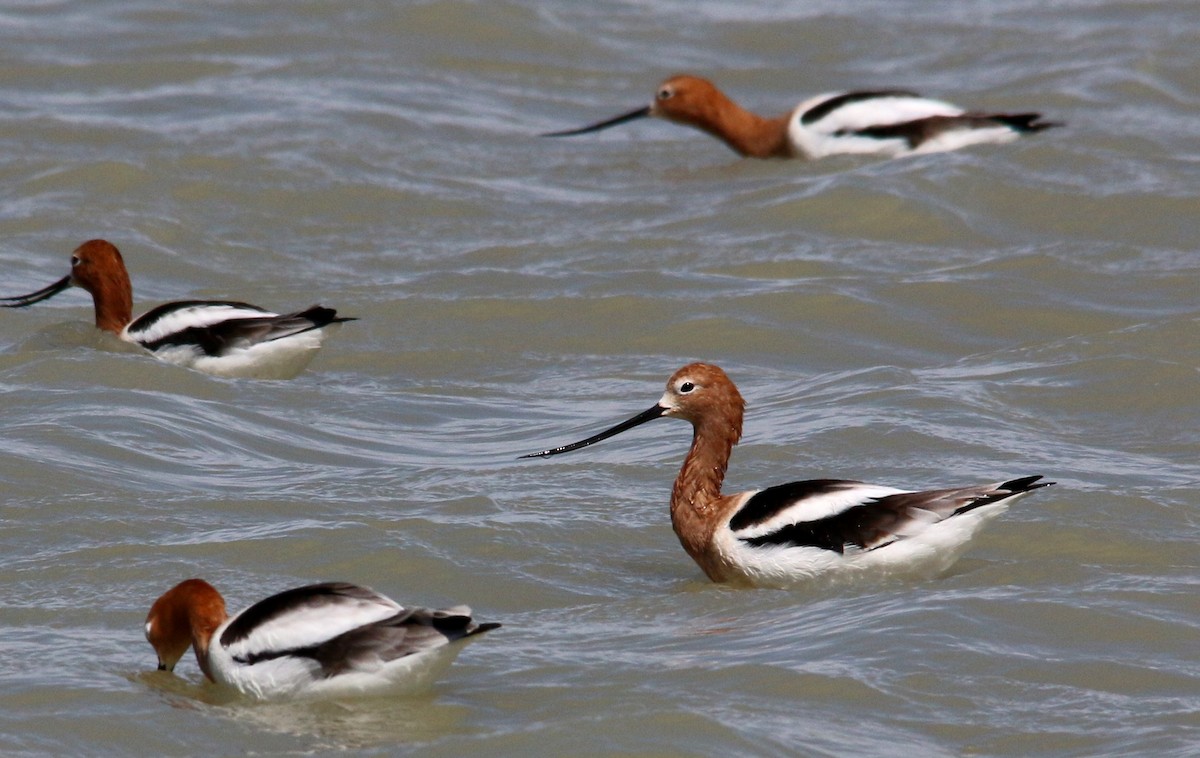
[190,317]
[308,625]
[876,111]
[834,133]
[813,507]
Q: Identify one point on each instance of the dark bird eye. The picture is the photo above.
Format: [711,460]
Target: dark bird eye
[686,387]
[74,261]
[664,93]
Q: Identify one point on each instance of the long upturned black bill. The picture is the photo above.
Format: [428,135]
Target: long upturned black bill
[642,112]
[20,301]
[651,413]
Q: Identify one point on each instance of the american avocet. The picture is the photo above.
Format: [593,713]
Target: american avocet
[218,337]
[792,533]
[893,123]
[323,640]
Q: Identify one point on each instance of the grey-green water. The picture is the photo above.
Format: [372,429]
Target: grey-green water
[1002,311]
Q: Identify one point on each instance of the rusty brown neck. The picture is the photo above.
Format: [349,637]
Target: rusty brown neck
[759,137]
[696,496]
[114,306]
[202,634]
[747,134]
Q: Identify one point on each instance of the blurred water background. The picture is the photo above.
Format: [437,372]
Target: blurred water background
[950,319]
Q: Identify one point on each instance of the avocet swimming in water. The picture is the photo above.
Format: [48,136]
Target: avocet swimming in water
[796,532]
[884,122]
[322,640]
[223,338]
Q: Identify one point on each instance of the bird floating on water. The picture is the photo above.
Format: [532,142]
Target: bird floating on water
[887,122]
[224,338]
[322,640]
[796,532]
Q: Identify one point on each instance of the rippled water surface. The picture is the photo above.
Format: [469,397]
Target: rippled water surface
[950,319]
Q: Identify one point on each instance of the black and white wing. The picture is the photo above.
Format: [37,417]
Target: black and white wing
[301,619]
[215,328]
[334,638]
[897,122]
[846,516]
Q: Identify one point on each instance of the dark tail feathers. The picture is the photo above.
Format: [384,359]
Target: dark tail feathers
[299,322]
[1006,490]
[1024,484]
[321,316]
[1026,123]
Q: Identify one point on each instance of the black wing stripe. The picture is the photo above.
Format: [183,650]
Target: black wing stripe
[411,631]
[768,503]
[311,596]
[147,319]
[881,521]
[870,524]
[826,107]
[919,131]
[217,338]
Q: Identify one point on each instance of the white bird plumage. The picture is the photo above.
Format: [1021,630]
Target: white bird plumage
[895,123]
[223,338]
[837,529]
[796,532]
[322,640]
[888,122]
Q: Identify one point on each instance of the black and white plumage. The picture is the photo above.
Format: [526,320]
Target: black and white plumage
[223,338]
[885,122]
[896,123]
[232,339]
[801,531]
[322,640]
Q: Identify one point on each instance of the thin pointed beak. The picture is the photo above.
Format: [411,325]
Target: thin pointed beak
[651,413]
[20,301]
[642,112]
